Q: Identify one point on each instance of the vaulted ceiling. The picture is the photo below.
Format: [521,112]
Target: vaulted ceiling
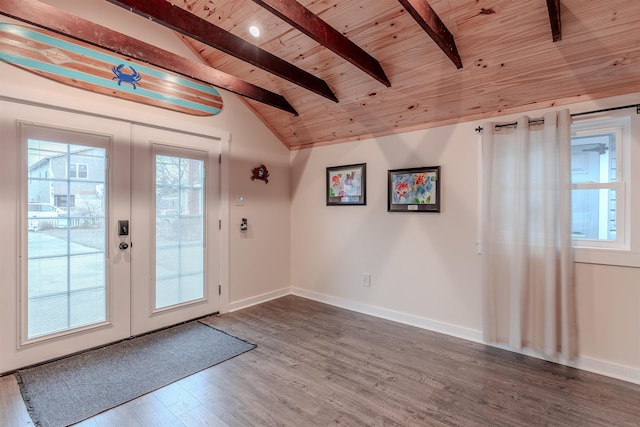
[369,68]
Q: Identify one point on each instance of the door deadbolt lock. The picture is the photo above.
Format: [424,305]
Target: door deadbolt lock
[123,227]
[123,246]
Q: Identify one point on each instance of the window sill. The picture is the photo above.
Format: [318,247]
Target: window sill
[616,257]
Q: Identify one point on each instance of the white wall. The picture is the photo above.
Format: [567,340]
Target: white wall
[424,267]
[414,259]
[260,256]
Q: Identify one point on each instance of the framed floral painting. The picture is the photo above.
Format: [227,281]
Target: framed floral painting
[414,190]
[346,185]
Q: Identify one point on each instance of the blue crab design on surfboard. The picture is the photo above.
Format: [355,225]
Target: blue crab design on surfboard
[132,78]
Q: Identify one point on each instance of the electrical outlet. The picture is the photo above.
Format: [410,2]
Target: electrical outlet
[366,280]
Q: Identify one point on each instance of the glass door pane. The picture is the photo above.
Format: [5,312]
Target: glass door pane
[66,267]
[179,237]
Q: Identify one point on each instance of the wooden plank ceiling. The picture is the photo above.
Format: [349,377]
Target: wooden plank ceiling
[488,57]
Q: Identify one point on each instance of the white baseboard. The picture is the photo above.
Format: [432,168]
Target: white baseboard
[584,363]
[624,373]
[396,316]
[601,367]
[259,299]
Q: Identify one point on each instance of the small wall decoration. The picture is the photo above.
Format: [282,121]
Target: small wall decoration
[414,190]
[261,173]
[346,185]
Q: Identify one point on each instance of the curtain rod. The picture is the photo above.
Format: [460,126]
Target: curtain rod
[515,124]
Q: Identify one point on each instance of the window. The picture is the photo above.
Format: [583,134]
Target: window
[180,217]
[66,263]
[602,197]
[78,170]
[64,200]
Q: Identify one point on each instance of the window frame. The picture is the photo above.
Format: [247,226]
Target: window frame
[623,251]
[619,127]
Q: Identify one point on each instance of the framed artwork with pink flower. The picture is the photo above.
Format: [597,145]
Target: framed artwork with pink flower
[414,190]
[346,185]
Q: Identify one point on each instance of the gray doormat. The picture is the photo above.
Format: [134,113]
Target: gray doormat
[72,389]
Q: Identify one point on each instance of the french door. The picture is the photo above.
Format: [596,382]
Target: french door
[115,227]
[175,232]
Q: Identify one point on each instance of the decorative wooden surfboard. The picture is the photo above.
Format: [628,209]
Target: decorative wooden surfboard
[88,67]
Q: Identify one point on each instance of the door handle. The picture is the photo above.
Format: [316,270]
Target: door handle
[123,246]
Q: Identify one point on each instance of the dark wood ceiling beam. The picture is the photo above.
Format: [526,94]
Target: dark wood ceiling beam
[306,22]
[192,26]
[42,15]
[433,25]
[554,18]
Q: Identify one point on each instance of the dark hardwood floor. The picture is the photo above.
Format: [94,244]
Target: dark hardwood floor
[318,365]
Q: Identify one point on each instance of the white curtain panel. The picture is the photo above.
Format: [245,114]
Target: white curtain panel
[527,258]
